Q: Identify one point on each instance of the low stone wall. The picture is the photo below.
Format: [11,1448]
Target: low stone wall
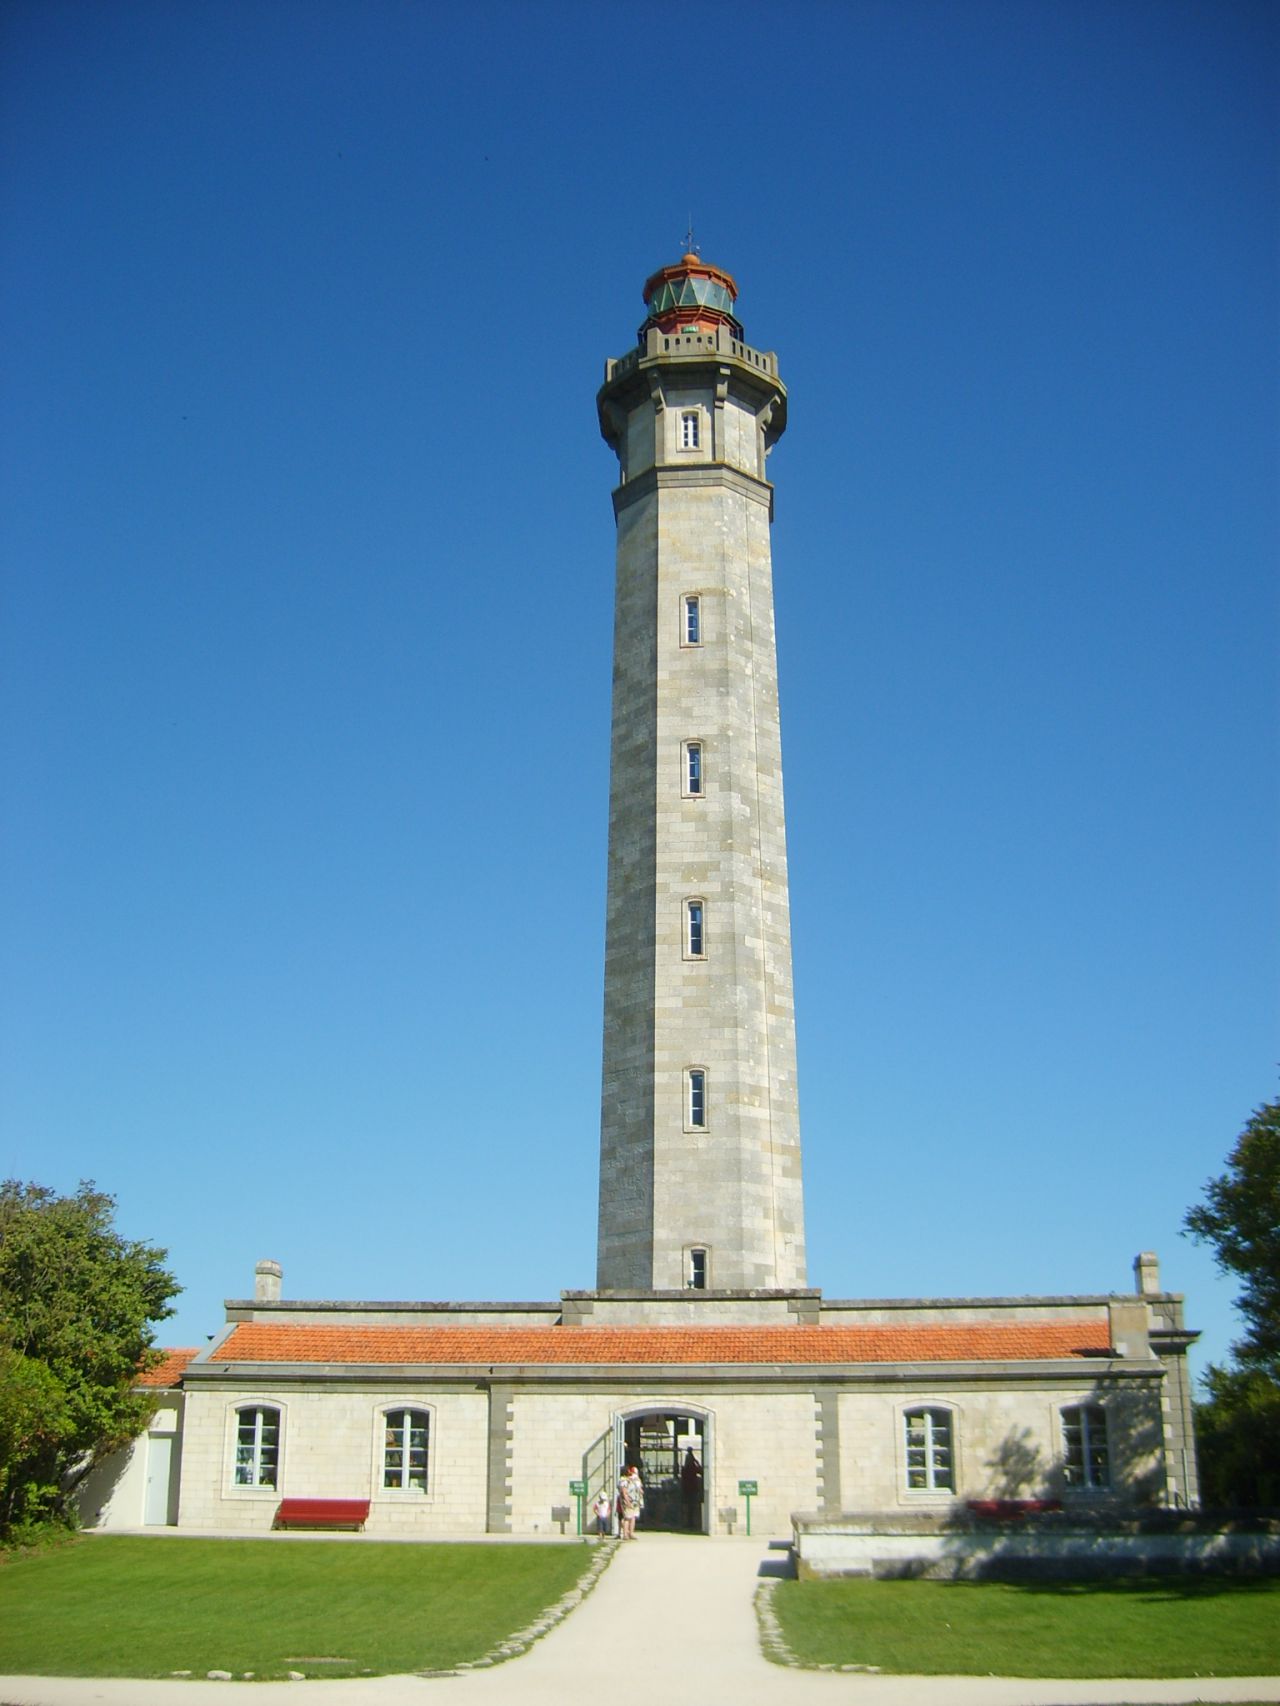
[1056,1545]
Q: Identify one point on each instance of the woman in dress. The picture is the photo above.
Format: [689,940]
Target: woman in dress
[630,1501]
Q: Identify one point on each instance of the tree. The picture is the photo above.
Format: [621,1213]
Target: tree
[1240,1217]
[1238,1424]
[76,1305]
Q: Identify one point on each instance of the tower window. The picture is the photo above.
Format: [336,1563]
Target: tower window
[929,1455]
[1084,1446]
[693,768]
[689,429]
[404,1452]
[692,631]
[697,1280]
[694,941]
[696,1099]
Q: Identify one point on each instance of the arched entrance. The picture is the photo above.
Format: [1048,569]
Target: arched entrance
[672,1448]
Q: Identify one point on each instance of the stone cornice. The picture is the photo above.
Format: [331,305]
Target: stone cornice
[684,476]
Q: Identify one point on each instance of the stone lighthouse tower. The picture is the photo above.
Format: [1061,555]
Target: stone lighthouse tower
[700,1139]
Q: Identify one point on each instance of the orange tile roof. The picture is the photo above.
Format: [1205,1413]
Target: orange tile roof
[170,1371]
[1033,1341]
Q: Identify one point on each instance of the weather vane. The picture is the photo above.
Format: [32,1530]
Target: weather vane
[690,247]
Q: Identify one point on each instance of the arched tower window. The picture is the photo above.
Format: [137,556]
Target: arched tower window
[693,771]
[695,937]
[695,1107]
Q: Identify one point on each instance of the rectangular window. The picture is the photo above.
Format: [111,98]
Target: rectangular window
[697,1109]
[693,768]
[693,929]
[928,1443]
[692,619]
[697,1270]
[1084,1446]
[257,1446]
[404,1458]
[689,430]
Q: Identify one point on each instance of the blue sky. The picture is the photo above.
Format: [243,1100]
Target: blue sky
[306,638]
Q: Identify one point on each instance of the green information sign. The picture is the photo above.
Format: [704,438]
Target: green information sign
[748,1491]
[578,1488]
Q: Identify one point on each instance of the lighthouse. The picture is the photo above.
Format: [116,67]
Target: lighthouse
[700,1185]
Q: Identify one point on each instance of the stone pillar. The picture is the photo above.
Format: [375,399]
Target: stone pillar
[268,1277]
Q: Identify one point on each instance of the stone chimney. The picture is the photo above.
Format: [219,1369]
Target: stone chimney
[1146,1274]
[266,1282]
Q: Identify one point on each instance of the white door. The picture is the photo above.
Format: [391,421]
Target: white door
[159,1467]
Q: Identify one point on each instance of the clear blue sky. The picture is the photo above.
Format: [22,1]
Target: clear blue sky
[306,637]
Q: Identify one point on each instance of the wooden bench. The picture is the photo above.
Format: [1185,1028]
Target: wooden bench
[322,1513]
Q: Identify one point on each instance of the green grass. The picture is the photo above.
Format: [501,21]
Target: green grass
[1148,1628]
[126,1606]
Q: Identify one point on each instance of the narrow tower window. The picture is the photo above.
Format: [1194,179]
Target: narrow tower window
[692,619]
[693,767]
[693,934]
[689,430]
[697,1280]
[696,1098]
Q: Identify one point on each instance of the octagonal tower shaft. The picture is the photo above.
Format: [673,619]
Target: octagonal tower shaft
[700,1142]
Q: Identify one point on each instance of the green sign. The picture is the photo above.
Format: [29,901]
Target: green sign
[578,1487]
[748,1489]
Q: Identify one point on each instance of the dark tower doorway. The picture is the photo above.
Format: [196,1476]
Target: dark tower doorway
[669,1447]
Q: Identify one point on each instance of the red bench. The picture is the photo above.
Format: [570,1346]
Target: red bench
[1011,1510]
[322,1513]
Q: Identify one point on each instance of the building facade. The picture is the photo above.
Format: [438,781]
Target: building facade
[702,1354]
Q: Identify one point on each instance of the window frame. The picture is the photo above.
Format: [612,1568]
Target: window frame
[380,1409]
[689,430]
[254,1489]
[696,1099]
[403,1407]
[934,1487]
[693,769]
[694,922]
[1092,1422]
[697,1268]
[691,607]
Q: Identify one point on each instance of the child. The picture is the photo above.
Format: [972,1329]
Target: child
[603,1513]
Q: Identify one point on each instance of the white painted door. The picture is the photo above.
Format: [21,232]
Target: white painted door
[159,1467]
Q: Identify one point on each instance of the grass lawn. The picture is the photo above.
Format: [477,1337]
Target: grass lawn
[127,1606]
[1147,1628]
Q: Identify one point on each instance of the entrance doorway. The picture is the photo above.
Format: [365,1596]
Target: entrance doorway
[669,1447]
[160,1464]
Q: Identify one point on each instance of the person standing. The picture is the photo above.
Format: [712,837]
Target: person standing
[630,1501]
[602,1510]
[691,1491]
